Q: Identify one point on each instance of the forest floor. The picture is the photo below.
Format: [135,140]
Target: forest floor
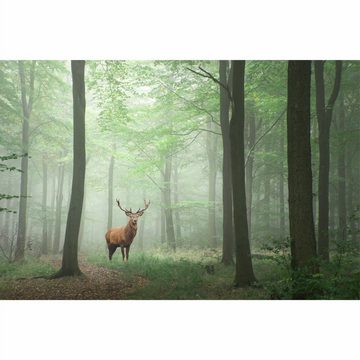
[188,274]
[143,277]
[97,282]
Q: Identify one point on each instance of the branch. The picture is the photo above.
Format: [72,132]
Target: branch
[199,129]
[189,101]
[262,136]
[210,76]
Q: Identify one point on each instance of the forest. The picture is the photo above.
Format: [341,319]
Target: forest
[180,179]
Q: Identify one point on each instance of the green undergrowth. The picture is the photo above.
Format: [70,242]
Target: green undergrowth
[25,269]
[183,275]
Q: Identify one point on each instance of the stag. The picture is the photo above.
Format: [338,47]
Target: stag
[124,236]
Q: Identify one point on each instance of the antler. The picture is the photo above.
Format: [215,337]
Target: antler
[125,210]
[146,206]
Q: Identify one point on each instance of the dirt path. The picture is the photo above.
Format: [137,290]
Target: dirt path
[98,283]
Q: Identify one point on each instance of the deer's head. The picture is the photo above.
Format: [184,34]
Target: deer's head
[134,216]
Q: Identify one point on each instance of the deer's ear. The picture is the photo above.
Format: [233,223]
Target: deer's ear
[128,213]
[141,213]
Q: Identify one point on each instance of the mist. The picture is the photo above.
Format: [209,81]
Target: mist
[170,133]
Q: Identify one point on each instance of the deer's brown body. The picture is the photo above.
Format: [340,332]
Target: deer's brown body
[124,236]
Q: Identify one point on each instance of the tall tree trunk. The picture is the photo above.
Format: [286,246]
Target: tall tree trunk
[302,233]
[211,147]
[228,228]
[267,189]
[162,219]
[7,214]
[244,271]
[110,192]
[141,229]
[350,194]
[26,103]
[341,173]
[52,213]
[249,168]
[58,210]
[70,265]
[170,233]
[324,116]
[176,201]
[281,185]
[44,243]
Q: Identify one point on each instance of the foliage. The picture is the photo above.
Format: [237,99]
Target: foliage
[339,279]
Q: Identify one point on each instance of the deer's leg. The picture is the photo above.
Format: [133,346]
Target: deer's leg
[127,252]
[122,252]
[112,249]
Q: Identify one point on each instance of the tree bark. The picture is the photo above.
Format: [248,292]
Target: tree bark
[6,216]
[27,103]
[302,233]
[228,228]
[58,210]
[249,168]
[342,214]
[162,219]
[70,266]
[176,200]
[44,243]
[170,233]
[141,229]
[52,213]
[324,116]
[281,186]
[244,274]
[211,147]
[110,192]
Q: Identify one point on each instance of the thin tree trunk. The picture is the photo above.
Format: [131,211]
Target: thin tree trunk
[170,233]
[281,186]
[249,169]
[70,266]
[211,147]
[324,116]
[110,192]
[6,231]
[52,212]
[44,243]
[176,201]
[228,228]
[302,233]
[59,199]
[162,219]
[244,271]
[141,229]
[341,173]
[26,112]
[350,195]
[267,189]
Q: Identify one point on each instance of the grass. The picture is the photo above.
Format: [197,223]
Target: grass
[199,274]
[182,275]
[28,268]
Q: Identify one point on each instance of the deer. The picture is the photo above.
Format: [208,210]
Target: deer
[124,236]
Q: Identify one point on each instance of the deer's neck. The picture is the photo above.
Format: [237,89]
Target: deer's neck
[130,230]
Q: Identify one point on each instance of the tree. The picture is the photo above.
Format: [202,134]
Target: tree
[228,228]
[302,233]
[324,117]
[244,271]
[110,192]
[70,266]
[27,105]
[44,243]
[211,149]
